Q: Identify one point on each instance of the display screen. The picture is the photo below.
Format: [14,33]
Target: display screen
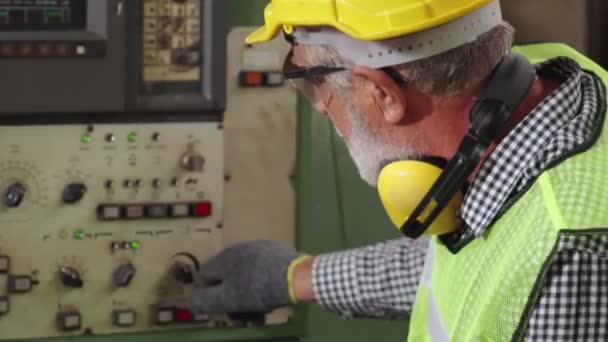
[18,15]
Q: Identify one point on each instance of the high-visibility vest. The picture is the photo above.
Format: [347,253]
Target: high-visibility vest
[487,290]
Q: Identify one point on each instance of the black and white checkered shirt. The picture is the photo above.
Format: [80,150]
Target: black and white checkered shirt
[382,280]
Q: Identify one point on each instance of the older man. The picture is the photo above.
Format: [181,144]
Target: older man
[438,81]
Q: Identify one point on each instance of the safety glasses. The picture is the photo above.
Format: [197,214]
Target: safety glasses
[310,81]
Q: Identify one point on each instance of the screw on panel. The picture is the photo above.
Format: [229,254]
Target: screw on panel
[219,225]
[227,177]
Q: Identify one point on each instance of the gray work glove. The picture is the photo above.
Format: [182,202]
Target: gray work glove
[249,277]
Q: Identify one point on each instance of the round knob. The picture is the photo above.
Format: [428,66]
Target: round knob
[14,195]
[124,274]
[73,193]
[70,277]
[182,272]
[184,266]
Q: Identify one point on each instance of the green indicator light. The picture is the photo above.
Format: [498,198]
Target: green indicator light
[132,137]
[86,138]
[79,234]
[135,244]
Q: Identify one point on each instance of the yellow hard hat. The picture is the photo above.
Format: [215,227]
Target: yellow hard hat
[362,19]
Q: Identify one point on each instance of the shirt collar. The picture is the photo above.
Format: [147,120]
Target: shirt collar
[528,148]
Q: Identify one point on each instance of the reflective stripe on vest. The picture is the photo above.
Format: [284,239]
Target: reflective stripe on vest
[435,324]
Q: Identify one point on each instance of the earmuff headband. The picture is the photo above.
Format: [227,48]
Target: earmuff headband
[507,88]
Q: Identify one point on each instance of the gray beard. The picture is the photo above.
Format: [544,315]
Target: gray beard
[368,152]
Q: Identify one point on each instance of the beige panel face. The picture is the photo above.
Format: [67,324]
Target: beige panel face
[171,34]
[260,138]
[44,235]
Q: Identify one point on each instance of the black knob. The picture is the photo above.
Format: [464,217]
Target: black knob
[182,272]
[73,193]
[123,275]
[14,195]
[70,277]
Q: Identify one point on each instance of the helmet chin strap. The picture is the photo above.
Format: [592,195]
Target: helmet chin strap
[505,91]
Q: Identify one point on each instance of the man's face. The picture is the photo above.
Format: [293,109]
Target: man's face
[367,143]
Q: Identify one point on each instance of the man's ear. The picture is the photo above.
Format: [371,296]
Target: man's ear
[386,96]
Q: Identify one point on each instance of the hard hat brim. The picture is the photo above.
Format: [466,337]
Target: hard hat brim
[263,34]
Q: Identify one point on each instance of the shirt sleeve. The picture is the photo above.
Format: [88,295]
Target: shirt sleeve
[375,281]
[573,304]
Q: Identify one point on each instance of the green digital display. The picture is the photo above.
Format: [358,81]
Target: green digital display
[19,15]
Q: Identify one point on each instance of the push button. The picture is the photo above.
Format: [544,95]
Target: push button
[5,263]
[183,315]
[124,318]
[164,315]
[157,210]
[4,306]
[69,321]
[134,211]
[203,209]
[109,212]
[20,284]
[180,210]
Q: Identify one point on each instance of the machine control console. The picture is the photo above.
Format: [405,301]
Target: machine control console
[106,235]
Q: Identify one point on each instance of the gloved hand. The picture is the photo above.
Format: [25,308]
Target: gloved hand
[249,277]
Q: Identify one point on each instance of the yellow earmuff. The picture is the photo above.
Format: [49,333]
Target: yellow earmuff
[421,198]
[402,185]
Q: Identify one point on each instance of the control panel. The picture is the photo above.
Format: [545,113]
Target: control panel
[112,193]
[104,226]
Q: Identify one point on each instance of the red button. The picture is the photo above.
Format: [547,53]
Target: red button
[182,315]
[203,209]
